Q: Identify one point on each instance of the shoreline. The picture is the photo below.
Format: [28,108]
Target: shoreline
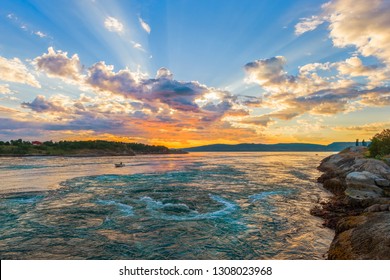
[359,210]
[91,155]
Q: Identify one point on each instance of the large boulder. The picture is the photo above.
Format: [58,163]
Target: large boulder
[361,178]
[361,193]
[361,188]
[364,237]
[337,164]
[373,166]
[360,211]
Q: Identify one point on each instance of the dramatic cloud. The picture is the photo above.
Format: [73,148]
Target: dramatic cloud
[144,25]
[159,93]
[360,23]
[164,89]
[348,84]
[363,24]
[308,92]
[58,64]
[13,70]
[102,77]
[40,104]
[122,102]
[114,25]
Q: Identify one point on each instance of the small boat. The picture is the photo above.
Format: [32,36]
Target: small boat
[119,164]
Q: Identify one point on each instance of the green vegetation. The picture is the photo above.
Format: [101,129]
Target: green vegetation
[380,144]
[79,148]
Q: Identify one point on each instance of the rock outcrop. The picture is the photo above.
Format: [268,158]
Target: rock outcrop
[359,212]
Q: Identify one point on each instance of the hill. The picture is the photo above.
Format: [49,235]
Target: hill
[281,147]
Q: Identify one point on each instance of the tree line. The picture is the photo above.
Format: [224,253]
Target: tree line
[21,147]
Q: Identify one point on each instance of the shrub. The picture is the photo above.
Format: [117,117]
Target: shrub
[380,144]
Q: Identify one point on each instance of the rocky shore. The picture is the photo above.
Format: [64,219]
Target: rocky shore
[359,211]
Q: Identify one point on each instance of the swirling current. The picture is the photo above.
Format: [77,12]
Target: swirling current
[195,206]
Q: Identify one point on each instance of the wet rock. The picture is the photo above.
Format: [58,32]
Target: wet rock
[384,207]
[334,185]
[382,182]
[378,208]
[363,237]
[373,208]
[360,211]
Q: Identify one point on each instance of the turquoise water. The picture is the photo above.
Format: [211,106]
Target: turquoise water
[196,206]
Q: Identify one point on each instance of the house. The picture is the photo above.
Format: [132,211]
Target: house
[36,143]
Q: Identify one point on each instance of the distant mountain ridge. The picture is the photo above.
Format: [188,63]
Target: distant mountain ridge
[281,147]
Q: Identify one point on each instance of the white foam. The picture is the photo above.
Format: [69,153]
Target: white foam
[124,208]
[154,206]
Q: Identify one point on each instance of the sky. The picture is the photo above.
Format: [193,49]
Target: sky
[185,73]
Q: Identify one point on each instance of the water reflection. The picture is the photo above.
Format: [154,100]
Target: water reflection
[196,206]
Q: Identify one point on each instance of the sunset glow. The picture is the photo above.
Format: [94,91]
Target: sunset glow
[189,73]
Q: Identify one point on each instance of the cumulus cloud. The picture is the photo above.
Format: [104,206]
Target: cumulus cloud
[58,64]
[377,97]
[324,102]
[363,24]
[271,76]
[268,72]
[13,70]
[359,23]
[126,101]
[164,73]
[308,24]
[144,25]
[160,93]
[102,77]
[41,104]
[377,74]
[163,89]
[309,92]
[114,25]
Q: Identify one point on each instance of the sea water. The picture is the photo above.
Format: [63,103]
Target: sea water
[193,206]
